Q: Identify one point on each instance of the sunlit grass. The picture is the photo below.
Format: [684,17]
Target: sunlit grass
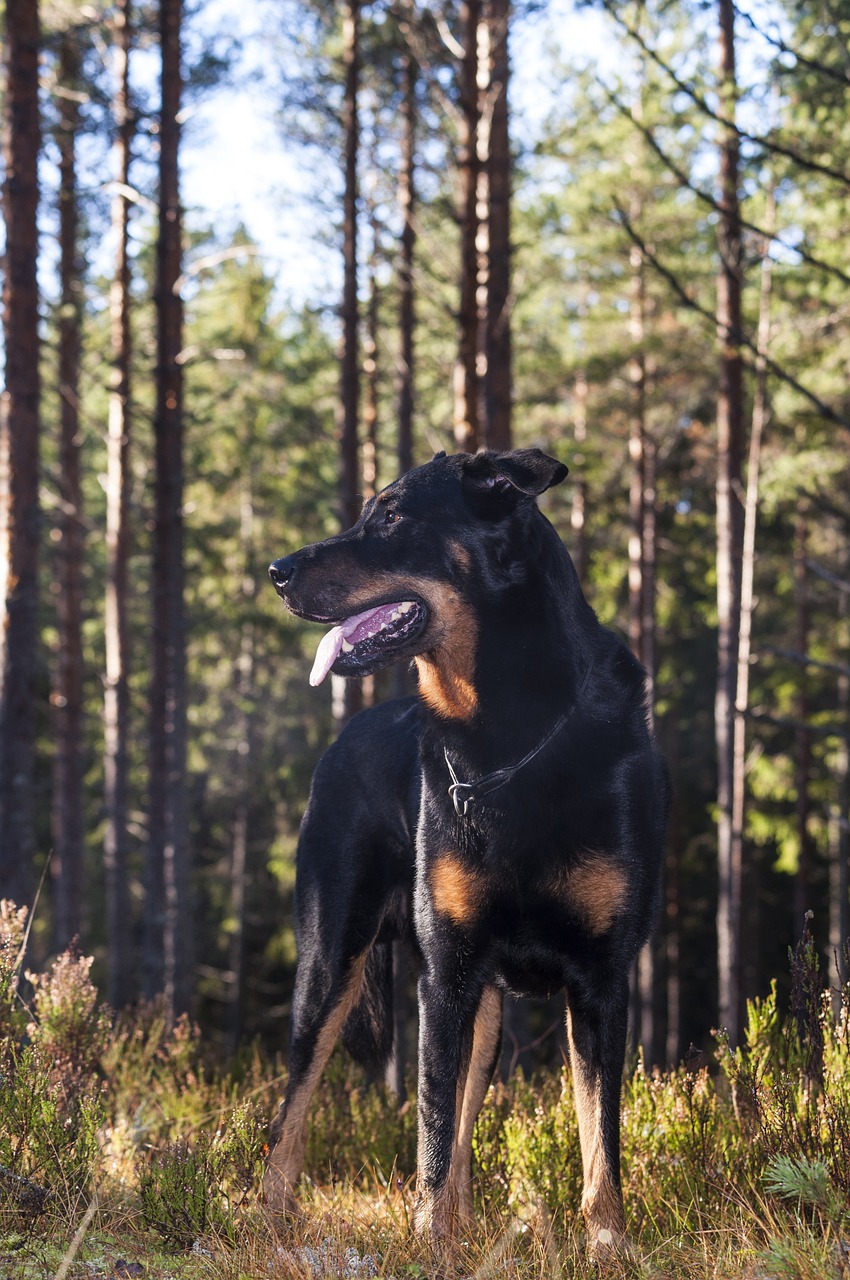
[121,1154]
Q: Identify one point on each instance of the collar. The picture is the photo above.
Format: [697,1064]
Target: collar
[464,794]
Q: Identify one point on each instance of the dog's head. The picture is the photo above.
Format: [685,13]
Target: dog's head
[396,585]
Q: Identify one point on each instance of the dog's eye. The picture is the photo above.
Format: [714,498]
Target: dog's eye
[391,517]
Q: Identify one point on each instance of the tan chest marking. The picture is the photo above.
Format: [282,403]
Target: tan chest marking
[447,671]
[596,890]
[456,891]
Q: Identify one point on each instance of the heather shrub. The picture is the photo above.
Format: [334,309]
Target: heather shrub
[355,1127]
[69,1026]
[192,1190]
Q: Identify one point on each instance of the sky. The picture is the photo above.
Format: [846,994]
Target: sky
[236,167]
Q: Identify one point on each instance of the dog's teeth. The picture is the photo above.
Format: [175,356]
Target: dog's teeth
[346,647]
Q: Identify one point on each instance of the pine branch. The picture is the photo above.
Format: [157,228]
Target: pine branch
[707,198]
[813,64]
[736,339]
[807,726]
[767,144]
[802,659]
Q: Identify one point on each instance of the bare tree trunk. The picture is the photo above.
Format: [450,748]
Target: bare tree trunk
[67,698]
[116,695]
[370,363]
[839,823]
[407,311]
[467,426]
[673,915]
[242,764]
[642,583]
[578,515]
[347,694]
[729,533]
[759,423]
[168,950]
[20,515]
[802,737]
[498,391]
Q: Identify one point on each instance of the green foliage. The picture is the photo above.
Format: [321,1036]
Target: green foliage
[52,1103]
[358,1128]
[190,1191]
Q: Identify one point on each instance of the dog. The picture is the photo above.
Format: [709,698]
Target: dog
[509,819]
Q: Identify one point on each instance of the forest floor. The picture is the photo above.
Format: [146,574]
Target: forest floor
[124,1153]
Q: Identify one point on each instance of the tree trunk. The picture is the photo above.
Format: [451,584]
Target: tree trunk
[498,384]
[642,584]
[67,697]
[116,696]
[748,602]
[839,823]
[370,362]
[347,694]
[242,764]
[673,911]
[578,515]
[20,516]
[407,312]
[168,950]
[467,427]
[802,737]
[729,533]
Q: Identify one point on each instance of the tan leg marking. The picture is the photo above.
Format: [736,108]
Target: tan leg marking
[286,1159]
[455,890]
[440,1213]
[596,889]
[601,1199]
[488,1026]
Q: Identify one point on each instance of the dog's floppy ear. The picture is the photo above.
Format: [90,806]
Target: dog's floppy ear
[495,483]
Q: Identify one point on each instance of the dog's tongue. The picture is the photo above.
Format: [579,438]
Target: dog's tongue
[326,654]
[355,628]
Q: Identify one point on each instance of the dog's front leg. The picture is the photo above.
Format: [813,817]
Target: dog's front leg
[596,1027]
[446,1022]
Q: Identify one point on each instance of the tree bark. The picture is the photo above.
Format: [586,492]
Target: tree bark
[168,942]
[467,425]
[116,697]
[578,514]
[67,696]
[498,391]
[370,362]
[242,764]
[729,533]
[20,515]
[802,737]
[839,823]
[748,560]
[407,299]
[347,694]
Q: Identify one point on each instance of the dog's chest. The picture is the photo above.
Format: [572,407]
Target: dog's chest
[524,896]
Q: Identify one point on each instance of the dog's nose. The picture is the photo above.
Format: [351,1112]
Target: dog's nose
[282,570]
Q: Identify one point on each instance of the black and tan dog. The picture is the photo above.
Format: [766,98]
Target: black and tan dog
[511,816]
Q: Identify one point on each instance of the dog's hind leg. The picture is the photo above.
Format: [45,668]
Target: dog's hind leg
[596,1028]
[486,1041]
[320,1007]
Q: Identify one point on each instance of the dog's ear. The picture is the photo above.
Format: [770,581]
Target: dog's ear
[495,483]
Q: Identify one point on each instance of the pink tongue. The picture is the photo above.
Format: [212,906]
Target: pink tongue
[326,654]
[353,629]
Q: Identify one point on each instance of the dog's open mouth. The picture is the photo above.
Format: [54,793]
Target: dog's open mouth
[367,640]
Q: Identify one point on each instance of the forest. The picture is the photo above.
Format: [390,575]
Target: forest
[631,254]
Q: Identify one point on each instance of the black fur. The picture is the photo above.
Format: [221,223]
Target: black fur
[550,880]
